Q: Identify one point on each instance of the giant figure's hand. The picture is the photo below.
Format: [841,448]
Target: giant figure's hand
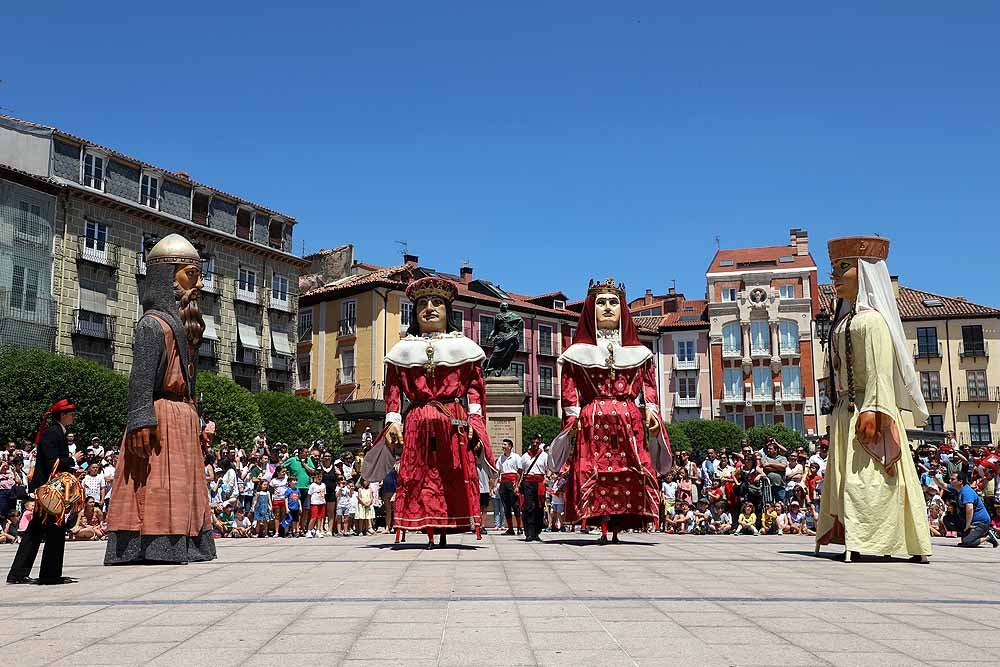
[867,427]
[652,423]
[394,434]
[141,442]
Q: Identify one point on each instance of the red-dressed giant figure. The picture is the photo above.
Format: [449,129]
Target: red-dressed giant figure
[609,401]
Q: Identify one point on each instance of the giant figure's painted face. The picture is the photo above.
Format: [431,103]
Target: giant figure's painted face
[432,314]
[845,278]
[608,310]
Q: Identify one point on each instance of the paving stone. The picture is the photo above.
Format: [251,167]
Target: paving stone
[595,658]
[882,659]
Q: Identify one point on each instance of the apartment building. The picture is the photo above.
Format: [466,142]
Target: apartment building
[951,340]
[76,219]
[761,306]
[352,312]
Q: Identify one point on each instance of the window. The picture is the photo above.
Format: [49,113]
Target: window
[458,319]
[760,337]
[763,419]
[734,417]
[685,351]
[731,343]
[545,380]
[305,370]
[976,381]
[279,287]
[930,385]
[97,236]
[762,387]
[93,170]
[24,289]
[979,429]
[405,315]
[787,291]
[517,369]
[248,280]
[972,341]
[558,304]
[348,319]
[794,421]
[687,385]
[207,271]
[788,336]
[347,367]
[544,339]
[305,323]
[547,412]
[520,338]
[572,333]
[935,423]
[791,382]
[733,383]
[729,294]
[30,225]
[485,328]
[927,342]
[149,190]
[650,311]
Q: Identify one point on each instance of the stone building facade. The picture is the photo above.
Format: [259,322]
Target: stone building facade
[93,213]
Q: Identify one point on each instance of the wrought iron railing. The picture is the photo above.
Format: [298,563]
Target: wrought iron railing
[99,252]
[93,325]
[347,326]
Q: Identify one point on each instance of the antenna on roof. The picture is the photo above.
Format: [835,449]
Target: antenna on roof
[718,242]
[465,263]
[404,247]
[674,282]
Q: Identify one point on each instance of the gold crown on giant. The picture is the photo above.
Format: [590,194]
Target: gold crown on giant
[609,285]
[859,247]
[431,286]
[173,249]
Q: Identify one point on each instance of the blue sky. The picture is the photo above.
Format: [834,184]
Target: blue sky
[548,142]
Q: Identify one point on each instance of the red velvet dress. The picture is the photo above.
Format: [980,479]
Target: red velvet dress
[438,483]
[610,471]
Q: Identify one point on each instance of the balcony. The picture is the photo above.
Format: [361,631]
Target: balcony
[686,401]
[793,395]
[763,393]
[248,293]
[729,398]
[927,351]
[280,363]
[980,395]
[973,350]
[93,325]
[211,283]
[731,352]
[283,300]
[789,350]
[95,251]
[347,327]
[760,352]
[245,357]
[345,375]
[209,349]
[936,395]
[29,228]
[680,364]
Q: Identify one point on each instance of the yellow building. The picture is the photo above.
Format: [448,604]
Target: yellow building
[951,340]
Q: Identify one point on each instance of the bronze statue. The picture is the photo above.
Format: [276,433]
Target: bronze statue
[505,339]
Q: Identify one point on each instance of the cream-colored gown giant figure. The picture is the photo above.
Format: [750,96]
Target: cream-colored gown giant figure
[872,501]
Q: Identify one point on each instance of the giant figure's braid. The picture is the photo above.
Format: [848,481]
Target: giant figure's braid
[849,353]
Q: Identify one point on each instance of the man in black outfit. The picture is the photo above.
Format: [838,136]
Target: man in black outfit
[53,451]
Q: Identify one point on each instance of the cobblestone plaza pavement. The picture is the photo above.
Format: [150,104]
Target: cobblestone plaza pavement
[656,600]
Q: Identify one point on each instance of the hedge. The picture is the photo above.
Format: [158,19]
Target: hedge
[232,408]
[547,425]
[32,380]
[711,433]
[298,420]
[679,442]
[789,438]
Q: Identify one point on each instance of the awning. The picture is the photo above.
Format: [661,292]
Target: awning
[93,301]
[248,336]
[279,339]
[210,332]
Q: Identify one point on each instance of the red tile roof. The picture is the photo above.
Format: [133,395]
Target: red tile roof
[682,319]
[647,324]
[912,306]
[767,257]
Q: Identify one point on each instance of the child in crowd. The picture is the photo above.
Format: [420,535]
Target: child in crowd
[682,521]
[797,520]
[343,506]
[669,492]
[747,522]
[701,517]
[721,521]
[936,521]
[293,500]
[26,516]
[263,512]
[8,528]
[781,520]
[317,505]
[769,519]
[365,512]
[352,511]
[241,524]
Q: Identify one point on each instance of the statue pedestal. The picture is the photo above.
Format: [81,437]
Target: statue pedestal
[504,409]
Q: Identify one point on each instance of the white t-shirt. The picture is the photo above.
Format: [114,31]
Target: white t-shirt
[820,461]
[509,463]
[484,480]
[669,490]
[539,466]
[791,470]
[93,487]
[241,523]
[278,486]
[317,493]
[109,471]
[354,503]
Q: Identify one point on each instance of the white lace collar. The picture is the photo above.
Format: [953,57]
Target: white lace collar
[448,349]
[596,356]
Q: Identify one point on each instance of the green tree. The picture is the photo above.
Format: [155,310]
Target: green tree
[711,433]
[32,380]
[679,442]
[789,438]
[547,425]
[298,420]
[231,407]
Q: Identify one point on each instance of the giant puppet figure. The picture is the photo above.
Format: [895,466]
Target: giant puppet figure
[872,501]
[609,400]
[159,503]
[440,371]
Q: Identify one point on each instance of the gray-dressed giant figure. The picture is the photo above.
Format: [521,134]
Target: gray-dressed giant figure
[159,503]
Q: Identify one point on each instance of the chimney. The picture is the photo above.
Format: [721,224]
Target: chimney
[411,260]
[648,298]
[466,273]
[895,285]
[183,174]
[799,241]
[671,291]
